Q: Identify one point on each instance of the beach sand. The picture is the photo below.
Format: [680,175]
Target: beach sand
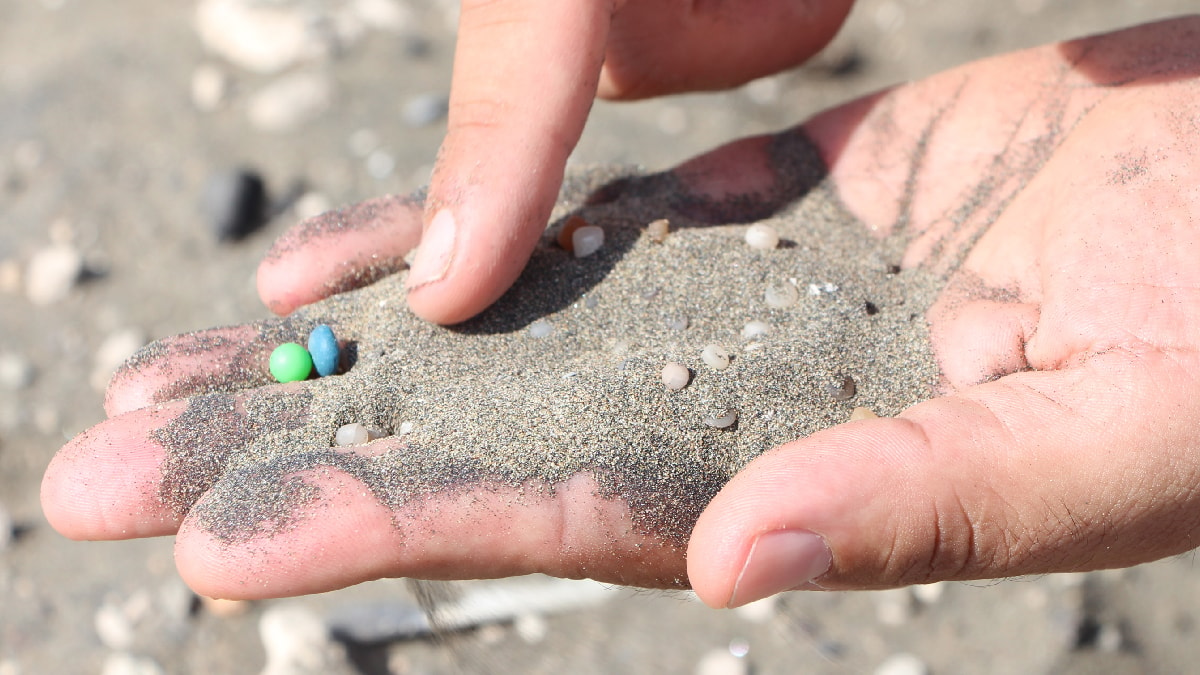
[488,403]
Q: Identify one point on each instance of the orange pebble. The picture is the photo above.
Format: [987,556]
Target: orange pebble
[564,233]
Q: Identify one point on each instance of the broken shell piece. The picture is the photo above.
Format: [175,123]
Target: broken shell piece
[675,376]
[861,413]
[587,240]
[723,419]
[658,230]
[355,434]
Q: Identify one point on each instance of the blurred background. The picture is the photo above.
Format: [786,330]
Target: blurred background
[151,151]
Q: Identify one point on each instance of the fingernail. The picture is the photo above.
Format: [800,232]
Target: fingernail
[436,250]
[780,561]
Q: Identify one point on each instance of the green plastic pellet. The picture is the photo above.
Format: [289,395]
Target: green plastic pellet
[290,362]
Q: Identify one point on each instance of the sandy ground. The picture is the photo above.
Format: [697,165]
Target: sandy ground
[102,149]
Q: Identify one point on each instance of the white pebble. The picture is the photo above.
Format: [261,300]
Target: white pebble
[290,102]
[902,664]
[405,428]
[721,662]
[52,273]
[209,87]
[354,434]
[929,594]
[762,237]
[675,376]
[755,329]
[715,357]
[540,329]
[426,109]
[255,36]
[531,627]
[10,276]
[113,627]
[296,641]
[893,607]
[759,611]
[16,372]
[861,413]
[781,295]
[587,240]
[124,663]
[311,204]
[722,420]
[113,352]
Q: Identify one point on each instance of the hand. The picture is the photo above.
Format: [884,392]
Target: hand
[1055,189]
[525,75]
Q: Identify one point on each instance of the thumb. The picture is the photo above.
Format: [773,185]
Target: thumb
[1037,472]
[525,75]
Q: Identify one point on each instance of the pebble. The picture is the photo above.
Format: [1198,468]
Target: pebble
[721,662]
[124,663]
[781,295]
[290,102]
[722,420]
[262,37]
[675,376]
[540,329]
[223,608]
[290,363]
[355,434]
[10,276]
[759,611]
[426,109]
[311,204]
[755,329]
[114,351]
[843,390]
[52,273]
[861,413]
[7,529]
[323,347]
[385,15]
[531,627]
[381,164]
[113,627]
[762,237]
[902,664]
[565,235]
[658,230]
[587,240]
[210,87]
[893,607]
[16,371]
[234,203]
[715,357]
[296,642]
[929,594]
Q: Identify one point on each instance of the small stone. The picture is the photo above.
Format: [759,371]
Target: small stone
[222,608]
[52,273]
[10,277]
[124,663]
[893,607]
[210,86]
[114,351]
[844,389]
[762,237]
[565,235]
[290,363]
[426,109]
[385,15]
[531,627]
[902,664]
[929,594]
[722,420]
[355,434]
[16,371]
[290,102]
[234,203]
[262,37]
[861,413]
[587,240]
[755,329]
[715,357]
[297,642]
[324,349]
[658,230]
[540,329]
[781,295]
[721,662]
[759,611]
[675,376]
[113,627]
[381,164]
[311,204]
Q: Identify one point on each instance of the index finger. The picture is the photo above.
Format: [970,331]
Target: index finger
[525,75]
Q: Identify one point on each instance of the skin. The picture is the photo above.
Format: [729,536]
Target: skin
[1057,188]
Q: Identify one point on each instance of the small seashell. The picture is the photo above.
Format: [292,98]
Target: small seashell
[762,237]
[781,295]
[755,329]
[658,230]
[675,376]
[861,413]
[587,240]
[723,419]
[323,347]
[355,434]
[567,231]
[715,357]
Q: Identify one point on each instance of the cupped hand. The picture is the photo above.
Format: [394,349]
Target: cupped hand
[525,75]
[1056,189]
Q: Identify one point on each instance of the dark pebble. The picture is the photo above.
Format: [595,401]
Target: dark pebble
[235,203]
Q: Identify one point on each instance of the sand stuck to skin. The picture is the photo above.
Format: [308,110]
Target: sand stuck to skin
[486,404]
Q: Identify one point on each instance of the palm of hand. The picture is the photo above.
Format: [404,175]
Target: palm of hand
[1056,192]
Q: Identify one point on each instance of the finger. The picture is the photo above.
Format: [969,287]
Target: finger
[660,48]
[104,484]
[215,360]
[525,74]
[338,251]
[1038,472]
[345,535]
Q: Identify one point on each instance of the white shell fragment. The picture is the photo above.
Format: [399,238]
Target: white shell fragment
[715,357]
[762,237]
[755,329]
[675,376]
[658,230]
[722,420]
[587,240]
[781,295]
[354,434]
